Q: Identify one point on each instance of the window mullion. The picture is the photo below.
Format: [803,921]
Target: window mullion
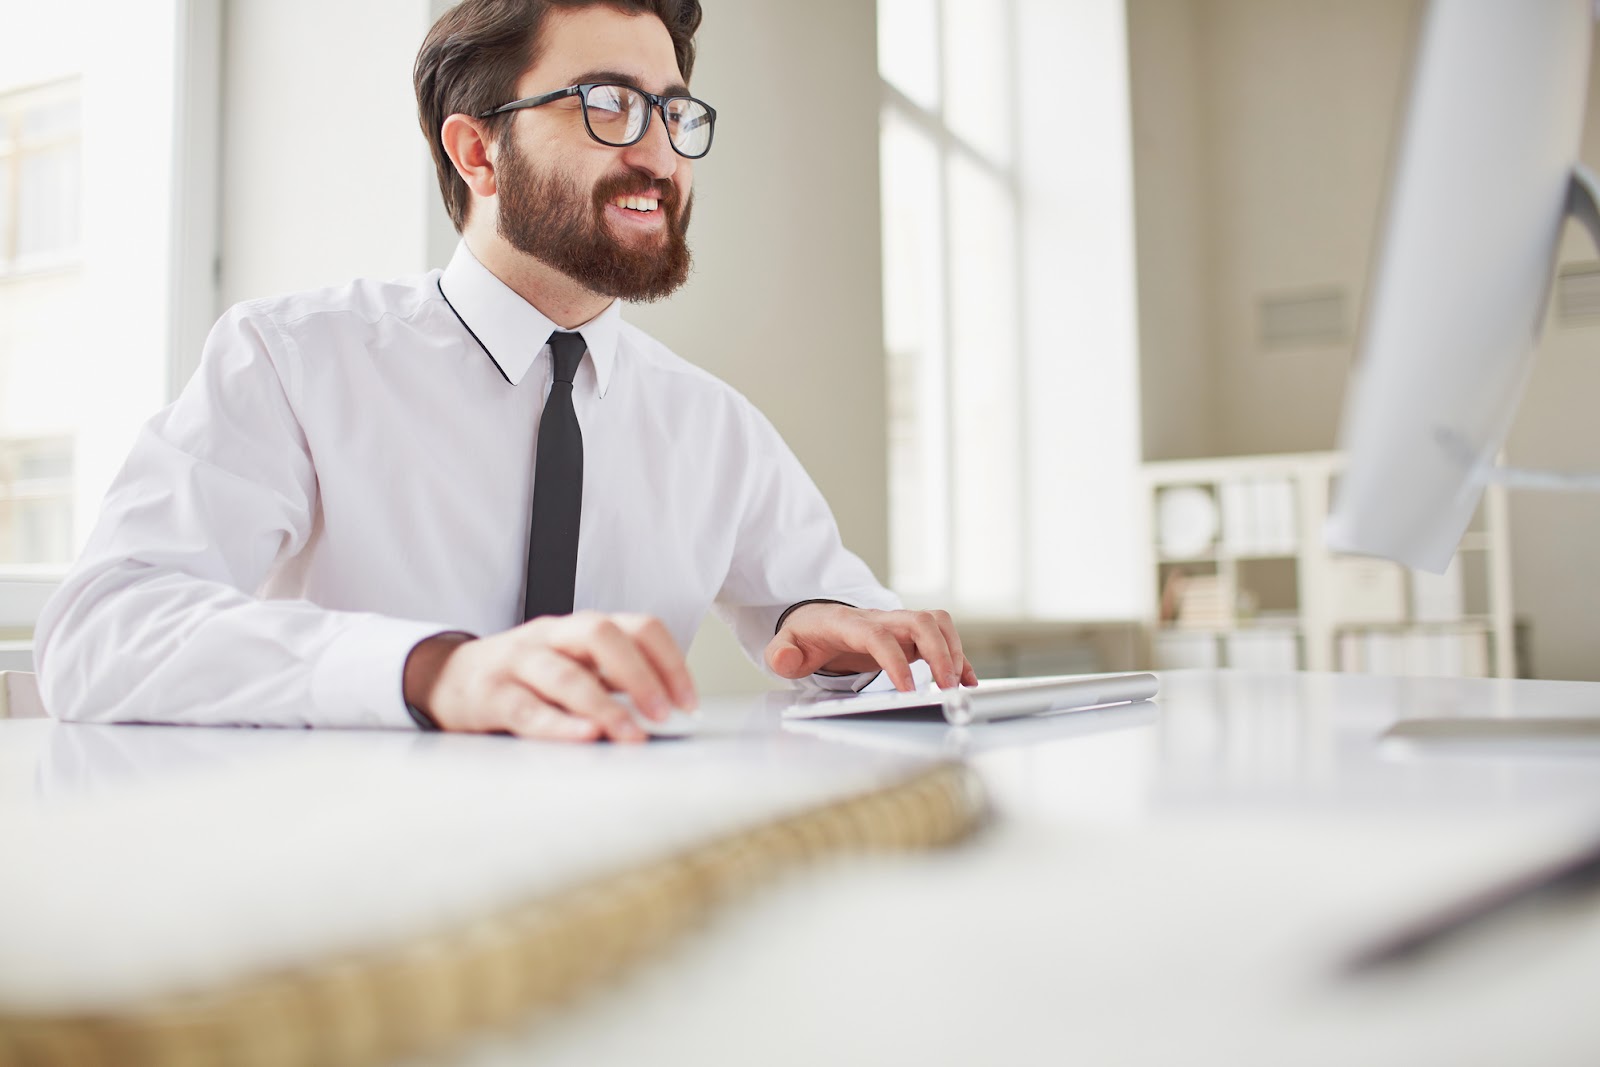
[1013,178]
[9,237]
[934,125]
[954,152]
[947,325]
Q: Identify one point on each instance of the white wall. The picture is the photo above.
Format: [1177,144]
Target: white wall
[1301,102]
[326,177]
[1262,133]
[1176,382]
[323,167]
[1084,556]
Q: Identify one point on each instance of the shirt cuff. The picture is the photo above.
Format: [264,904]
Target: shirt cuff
[358,678]
[800,604]
[839,683]
[868,681]
[921,678]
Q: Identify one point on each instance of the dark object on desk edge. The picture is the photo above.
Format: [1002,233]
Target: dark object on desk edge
[1577,872]
[1485,729]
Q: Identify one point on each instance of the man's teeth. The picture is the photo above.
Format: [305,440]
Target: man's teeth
[637,203]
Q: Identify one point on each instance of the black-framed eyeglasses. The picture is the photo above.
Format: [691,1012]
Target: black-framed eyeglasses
[619,115]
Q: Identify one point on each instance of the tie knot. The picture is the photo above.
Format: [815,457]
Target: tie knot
[566,352]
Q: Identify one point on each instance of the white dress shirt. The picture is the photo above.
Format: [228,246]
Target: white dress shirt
[351,470]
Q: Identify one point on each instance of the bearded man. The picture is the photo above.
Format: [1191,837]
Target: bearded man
[477,499]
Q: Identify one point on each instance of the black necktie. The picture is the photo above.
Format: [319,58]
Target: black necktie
[557,490]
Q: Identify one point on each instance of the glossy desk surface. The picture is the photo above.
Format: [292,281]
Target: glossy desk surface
[1171,882]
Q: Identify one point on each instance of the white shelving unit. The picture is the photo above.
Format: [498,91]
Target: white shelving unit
[1258,587]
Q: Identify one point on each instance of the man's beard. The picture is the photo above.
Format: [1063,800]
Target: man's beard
[546,216]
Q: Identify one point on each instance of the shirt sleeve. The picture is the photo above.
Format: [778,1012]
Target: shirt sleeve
[787,550]
[160,618]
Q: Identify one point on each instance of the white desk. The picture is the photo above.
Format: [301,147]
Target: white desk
[1166,884]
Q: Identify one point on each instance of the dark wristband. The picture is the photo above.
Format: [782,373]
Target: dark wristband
[423,720]
[788,610]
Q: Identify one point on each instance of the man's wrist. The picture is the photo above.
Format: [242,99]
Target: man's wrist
[790,610]
[423,666]
[823,671]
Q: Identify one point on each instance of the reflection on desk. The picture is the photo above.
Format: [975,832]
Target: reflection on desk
[938,738]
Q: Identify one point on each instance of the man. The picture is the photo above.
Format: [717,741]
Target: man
[476,499]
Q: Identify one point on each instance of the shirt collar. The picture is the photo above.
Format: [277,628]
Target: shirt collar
[512,331]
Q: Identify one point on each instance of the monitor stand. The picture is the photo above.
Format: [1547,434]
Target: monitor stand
[1583,201]
[1583,207]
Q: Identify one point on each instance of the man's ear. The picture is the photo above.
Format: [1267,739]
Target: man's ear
[466,142]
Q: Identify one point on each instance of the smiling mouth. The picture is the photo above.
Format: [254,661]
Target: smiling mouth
[640,205]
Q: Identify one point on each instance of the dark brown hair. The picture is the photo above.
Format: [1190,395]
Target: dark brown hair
[473,56]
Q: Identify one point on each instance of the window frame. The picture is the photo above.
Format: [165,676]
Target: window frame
[948,145]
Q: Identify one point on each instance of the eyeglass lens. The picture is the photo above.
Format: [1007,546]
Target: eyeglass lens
[617,114]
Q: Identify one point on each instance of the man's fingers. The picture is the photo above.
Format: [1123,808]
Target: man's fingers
[785,658]
[655,640]
[958,658]
[933,646]
[885,648]
[539,721]
[597,642]
[560,680]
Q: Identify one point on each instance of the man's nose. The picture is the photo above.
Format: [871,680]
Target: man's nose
[653,153]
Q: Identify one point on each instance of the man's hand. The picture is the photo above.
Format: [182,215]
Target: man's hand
[846,640]
[552,677]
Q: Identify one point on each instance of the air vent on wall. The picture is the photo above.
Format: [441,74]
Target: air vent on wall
[1302,320]
[1578,294]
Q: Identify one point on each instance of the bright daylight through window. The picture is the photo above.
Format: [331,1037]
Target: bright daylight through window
[87,164]
[1009,315]
[40,131]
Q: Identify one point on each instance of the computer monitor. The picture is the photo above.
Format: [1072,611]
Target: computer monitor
[1485,173]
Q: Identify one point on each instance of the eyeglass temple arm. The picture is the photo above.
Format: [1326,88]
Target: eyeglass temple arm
[533,101]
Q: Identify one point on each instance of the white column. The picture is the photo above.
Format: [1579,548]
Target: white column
[1087,528]
[324,170]
[128,108]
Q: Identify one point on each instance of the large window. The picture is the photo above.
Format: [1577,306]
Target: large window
[39,257]
[39,160]
[94,102]
[1009,307]
[40,281]
[951,302]
[36,499]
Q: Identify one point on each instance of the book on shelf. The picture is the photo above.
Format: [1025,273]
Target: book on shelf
[1202,602]
[1438,597]
[1238,516]
[1367,590]
[1275,509]
[1175,650]
[1258,517]
[1274,649]
[1444,654]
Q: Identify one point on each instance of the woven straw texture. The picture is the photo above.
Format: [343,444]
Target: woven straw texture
[500,969]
